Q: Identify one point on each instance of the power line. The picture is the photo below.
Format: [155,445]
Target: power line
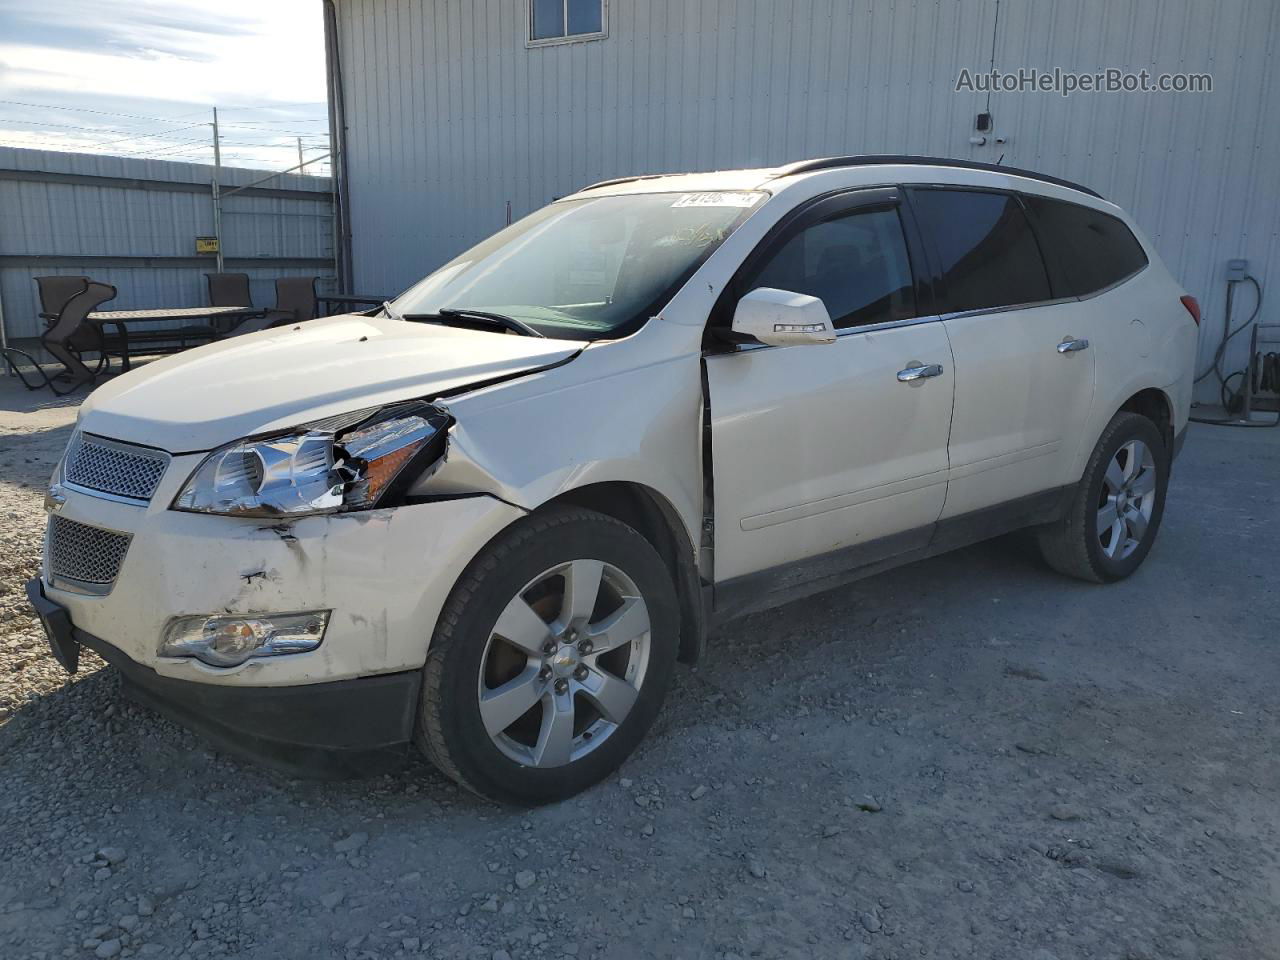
[105,113]
[135,136]
[290,120]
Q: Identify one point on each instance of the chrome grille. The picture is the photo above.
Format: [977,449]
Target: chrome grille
[108,466]
[88,555]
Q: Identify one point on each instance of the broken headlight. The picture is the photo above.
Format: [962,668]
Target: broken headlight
[317,468]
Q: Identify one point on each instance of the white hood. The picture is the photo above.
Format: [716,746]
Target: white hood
[279,378]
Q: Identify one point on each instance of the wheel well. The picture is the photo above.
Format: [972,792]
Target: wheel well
[1154,405]
[650,515]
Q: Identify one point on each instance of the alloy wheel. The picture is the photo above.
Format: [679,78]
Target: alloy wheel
[564,663]
[1127,500]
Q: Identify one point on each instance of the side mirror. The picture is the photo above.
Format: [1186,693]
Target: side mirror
[781,318]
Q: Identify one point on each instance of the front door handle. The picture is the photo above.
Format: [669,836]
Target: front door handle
[920,372]
[1071,345]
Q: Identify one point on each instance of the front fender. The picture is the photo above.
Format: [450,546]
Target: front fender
[531,441]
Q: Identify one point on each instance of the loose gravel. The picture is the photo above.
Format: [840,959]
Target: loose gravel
[970,757]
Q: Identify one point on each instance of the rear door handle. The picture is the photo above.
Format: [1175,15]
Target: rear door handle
[920,372]
[1071,346]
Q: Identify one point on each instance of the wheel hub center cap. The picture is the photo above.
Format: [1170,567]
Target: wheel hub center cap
[564,661]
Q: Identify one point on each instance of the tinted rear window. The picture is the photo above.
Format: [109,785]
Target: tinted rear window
[1093,249]
[989,256]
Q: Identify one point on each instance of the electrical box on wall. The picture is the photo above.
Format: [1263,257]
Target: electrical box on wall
[983,124]
[1236,270]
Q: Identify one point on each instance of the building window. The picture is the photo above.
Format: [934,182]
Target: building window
[563,21]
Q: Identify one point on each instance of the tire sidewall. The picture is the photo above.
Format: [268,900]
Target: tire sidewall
[481,763]
[1132,427]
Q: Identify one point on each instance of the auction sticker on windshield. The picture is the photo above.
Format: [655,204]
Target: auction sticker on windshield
[717,200]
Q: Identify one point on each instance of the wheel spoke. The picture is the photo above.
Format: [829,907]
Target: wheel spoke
[1136,523]
[519,624]
[1132,459]
[1117,537]
[1107,517]
[555,738]
[612,695]
[581,587]
[1143,483]
[1114,477]
[504,705]
[627,623]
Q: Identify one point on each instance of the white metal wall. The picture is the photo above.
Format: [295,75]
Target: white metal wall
[450,115]
[131,223]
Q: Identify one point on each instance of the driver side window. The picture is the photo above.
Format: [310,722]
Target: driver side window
[855,263]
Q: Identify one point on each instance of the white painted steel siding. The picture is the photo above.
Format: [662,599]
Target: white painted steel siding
[147,231]
[450,115]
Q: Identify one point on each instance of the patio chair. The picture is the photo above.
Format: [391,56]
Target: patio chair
[54,294]
[229,290]
[295,303]
[70,335]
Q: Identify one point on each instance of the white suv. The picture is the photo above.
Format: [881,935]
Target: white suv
[489,517]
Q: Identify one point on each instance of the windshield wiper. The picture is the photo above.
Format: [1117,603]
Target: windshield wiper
[497,319]
[509,323]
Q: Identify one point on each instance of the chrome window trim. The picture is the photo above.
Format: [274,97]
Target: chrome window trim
[843,332]
[1123,280]
[1035,304]
[1048,303]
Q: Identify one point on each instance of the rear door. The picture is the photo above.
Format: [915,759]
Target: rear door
[1096,255]
[1024,372]
[825,449]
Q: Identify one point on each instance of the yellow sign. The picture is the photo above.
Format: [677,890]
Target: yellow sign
[206,244]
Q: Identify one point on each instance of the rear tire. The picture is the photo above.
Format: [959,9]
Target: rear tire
[1114,515]
[551,658]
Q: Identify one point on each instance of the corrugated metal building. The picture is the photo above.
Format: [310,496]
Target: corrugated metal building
[133,223]
[450,110]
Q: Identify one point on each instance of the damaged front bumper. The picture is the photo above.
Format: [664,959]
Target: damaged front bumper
[384,575]
[337,729]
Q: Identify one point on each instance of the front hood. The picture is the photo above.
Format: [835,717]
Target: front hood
[279,378]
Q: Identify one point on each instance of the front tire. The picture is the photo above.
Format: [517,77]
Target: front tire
[1112,521]
[551,658]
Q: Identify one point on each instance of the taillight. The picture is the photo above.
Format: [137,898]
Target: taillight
[1193,307]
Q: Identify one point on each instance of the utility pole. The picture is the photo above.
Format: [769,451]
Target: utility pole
[299,154]
[217,190]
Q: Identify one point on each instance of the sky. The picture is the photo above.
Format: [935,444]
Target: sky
[140,78]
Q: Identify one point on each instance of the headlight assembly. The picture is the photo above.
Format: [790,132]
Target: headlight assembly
[314,469]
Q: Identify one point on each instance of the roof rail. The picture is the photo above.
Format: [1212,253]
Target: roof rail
[617,180]
[828,163]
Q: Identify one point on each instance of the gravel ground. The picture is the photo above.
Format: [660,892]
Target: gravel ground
[970,757]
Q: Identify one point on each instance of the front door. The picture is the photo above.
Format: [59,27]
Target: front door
[835,451]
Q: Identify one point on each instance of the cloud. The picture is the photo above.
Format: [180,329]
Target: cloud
[261,61]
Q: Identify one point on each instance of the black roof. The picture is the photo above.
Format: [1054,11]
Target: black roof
[828,163]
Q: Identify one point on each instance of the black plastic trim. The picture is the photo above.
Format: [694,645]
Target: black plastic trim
[775,586]
[870,160]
